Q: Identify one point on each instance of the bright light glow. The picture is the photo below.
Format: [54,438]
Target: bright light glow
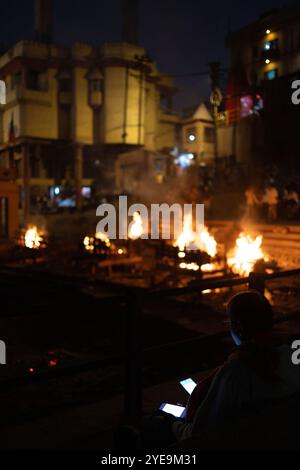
[245,254]
[89,242]
[208,268]
[267,61]
[184,160]
[192,137]
[104,238]
[32,238]
[268,31]
[190,266]
[200,240]
[56,191]
[136,227]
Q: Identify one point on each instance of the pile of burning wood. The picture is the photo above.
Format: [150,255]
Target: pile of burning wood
[32,238]
[101,246]
[195,252]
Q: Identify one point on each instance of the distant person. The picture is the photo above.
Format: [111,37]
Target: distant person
[251,202]
[291,202]
[271,198]
[258,371]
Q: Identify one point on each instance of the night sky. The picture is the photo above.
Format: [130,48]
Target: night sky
[181,35]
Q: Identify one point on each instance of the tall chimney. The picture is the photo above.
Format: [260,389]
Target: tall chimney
[130,21]
[43,20]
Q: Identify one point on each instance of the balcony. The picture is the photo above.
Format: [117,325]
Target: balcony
[22,93]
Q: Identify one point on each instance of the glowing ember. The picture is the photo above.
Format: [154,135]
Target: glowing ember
[52,363]
[32,238]
[199,240]
[136,227]
[103,237]
[208,268]
[89,242]
[190,266]
[245,254]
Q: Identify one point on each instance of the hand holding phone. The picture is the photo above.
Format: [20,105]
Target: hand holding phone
[189,385]
[175,410]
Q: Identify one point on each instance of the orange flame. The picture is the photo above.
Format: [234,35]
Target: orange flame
[246,253]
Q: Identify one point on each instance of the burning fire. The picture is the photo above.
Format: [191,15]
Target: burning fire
[190,266]
[246,253]
[199,240]
[89,242]
[136,227]
[33,237]
[209,267]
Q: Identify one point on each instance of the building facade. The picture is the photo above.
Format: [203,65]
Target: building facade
[71,111]
[198,135]
[259,120]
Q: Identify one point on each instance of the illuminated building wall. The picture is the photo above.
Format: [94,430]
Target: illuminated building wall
[63,104]
[269,47]
[198,135]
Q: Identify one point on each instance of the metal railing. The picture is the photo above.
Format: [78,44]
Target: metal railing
[133,359]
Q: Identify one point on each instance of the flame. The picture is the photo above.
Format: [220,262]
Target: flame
[103,237]
[208,243]
[136,227]
[32,238]
[89,242]
[199,240]
[245,254]
[190,266]
[208,268]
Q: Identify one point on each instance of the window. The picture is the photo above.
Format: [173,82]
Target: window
[271,74]
[271,45]
[191,135]
[36,81]
[209,135]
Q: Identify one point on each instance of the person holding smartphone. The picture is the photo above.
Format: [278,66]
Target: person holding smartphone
[259,370]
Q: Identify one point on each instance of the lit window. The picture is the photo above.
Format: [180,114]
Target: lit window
[271,74]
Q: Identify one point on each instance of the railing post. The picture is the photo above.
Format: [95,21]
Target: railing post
[134,365]
[257,282]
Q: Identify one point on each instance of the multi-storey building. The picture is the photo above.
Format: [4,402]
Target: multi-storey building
[264,59]
[269,47]
[71,111]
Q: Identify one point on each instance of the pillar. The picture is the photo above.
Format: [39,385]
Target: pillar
[78,174]
[26,182]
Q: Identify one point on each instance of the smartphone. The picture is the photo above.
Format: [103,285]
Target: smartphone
[175,410]
[188,385]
